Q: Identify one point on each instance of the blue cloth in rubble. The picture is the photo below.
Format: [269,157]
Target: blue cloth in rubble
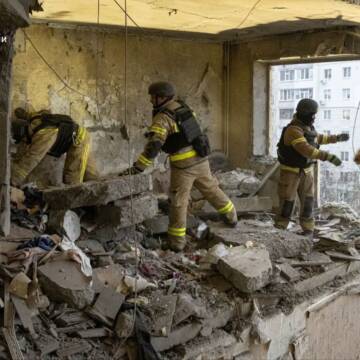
[43,242]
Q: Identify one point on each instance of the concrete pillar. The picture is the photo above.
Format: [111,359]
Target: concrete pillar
[6,54]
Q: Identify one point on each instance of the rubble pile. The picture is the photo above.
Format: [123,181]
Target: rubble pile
[98,283]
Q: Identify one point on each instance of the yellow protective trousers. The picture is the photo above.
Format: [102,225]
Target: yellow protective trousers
[182,181]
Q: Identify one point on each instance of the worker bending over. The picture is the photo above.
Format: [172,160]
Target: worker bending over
[42,133]
[176,131]
[298,151]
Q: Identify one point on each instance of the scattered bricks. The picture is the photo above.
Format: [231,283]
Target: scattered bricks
[109,302]
[123,213]
[63,281]
[125,324]
[96,192]
[215,343]
[178,336]
[247,269]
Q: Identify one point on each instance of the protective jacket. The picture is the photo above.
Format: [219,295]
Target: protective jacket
[67,130]
[299,145]
[176,131]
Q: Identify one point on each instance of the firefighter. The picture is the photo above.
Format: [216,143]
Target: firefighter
[176,131]
[42,133]
[298,151]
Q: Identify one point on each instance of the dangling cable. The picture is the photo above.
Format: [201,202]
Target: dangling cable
[97,62]
[130,182]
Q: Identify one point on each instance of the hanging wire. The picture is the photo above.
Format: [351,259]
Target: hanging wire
[51,67]
[249,13]
[128,16]
[130,182]
[97,62]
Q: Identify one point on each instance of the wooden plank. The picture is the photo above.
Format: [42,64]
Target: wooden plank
[72,349]
[338,255]
[24,314]
[12,343]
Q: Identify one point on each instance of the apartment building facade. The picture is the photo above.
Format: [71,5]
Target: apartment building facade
[336,87]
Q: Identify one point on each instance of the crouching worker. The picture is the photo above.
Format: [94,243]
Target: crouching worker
[298,151]
[176,131]
[44,133]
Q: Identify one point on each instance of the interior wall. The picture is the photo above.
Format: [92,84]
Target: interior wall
[242,60]
[196,68]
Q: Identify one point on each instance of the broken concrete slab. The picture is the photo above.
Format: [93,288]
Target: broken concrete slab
[96,192]
[247,269]
[240,180]
[180,335]
[288,272]
[124,213]
[188,306]
[279,243]
[63,281]
[217,318]
[111,275]
[109,303]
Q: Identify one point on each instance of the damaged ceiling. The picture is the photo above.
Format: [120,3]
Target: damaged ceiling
[228,18]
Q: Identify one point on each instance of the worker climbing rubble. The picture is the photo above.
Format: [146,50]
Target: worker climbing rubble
[176,131]
[41,133]
[298,151]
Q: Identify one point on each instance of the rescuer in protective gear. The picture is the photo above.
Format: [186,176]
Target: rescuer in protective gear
[176,131]
[42,133]
[298,151]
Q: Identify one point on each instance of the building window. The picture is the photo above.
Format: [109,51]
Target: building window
[347,72]
[346,94]
[286,114]
[296,94]
[346,114]
[305,74]
[327,73]
[327,114]
[344,156]
[327,94]
[287,75]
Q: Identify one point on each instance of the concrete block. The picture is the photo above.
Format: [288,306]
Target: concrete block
[96,192]
[67,220]
[181,335]
[63,281]
[247,269]
[124,213]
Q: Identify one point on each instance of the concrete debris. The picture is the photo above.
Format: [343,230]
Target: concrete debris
[124,213]
[90,246]
[279,243]
[63,281]
[96,193]
[341,211]
[247,269]
[108,276]
[159,224]
[65,222]
[238,181]
[214,254]
[186,307]
[79,347]
[109,303]
[180,335]
[289,273]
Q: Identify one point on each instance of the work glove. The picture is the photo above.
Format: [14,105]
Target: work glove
[333,159]
[131,171]
[342,137]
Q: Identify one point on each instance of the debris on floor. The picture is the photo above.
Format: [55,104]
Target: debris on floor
[94,282]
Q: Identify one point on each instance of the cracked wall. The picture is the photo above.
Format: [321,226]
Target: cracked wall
[196,68]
